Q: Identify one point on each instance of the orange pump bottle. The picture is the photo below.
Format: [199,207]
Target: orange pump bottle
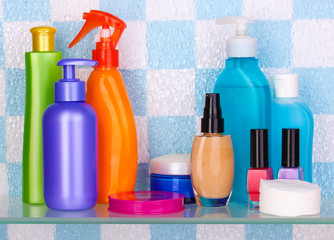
[106,93]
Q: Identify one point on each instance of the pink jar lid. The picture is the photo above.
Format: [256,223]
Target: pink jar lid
[146,202]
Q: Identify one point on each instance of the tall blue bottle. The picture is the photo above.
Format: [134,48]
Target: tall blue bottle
[70,144]
[245,99]
[289,111]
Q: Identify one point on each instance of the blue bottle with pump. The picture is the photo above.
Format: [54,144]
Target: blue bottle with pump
[70,144]
[245,99]
[290,112]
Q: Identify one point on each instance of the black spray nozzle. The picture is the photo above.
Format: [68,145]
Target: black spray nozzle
[212,121]
[290,148]
[259,148]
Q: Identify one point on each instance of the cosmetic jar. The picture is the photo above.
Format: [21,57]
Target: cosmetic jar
[171,173]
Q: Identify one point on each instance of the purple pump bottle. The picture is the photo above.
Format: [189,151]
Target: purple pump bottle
[70,144]
[290,156]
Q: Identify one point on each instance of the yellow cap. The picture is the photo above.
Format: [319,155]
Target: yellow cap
[43,39]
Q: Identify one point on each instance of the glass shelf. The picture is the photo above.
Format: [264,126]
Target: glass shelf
[13,211]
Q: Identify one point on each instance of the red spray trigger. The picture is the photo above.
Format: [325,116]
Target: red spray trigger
[95,19]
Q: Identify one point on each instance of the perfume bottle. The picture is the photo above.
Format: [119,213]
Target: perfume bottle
[290,156]
[259,166]
[212,158]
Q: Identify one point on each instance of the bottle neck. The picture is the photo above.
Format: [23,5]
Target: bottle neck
[212,134]
[106,57]
[103,68]
[287,97]
[241,62]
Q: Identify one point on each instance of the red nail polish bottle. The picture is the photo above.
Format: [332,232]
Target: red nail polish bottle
[259,165]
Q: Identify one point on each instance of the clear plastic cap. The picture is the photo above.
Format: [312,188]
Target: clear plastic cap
[286,85]
[102,33]
[241,45]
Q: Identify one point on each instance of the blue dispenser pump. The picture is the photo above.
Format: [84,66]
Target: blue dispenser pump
[241,45]
[69,88]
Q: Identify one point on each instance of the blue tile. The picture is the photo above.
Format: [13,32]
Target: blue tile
[171,44]
[2,139]
[204,83]
[308,9]
[125,9]
[143,177]
[2,56]
[173,231]
[323,175]
[15,91]
[77,231]
[316,88]
[66,32]
[15,209]
[135,82]
[268,231]
[274,42]
[26,10]
[215,9]
[170,135]
[3,232]
[14,171]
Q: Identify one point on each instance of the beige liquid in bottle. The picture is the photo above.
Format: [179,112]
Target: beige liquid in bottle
[212,165]
[212,158]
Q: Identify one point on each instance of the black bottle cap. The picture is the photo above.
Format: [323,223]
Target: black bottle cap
[259,148]
[290,148]
[212,121]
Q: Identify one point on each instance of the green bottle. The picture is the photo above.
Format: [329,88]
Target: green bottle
[41,74]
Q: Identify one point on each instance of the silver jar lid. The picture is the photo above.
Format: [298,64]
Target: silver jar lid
[171,164]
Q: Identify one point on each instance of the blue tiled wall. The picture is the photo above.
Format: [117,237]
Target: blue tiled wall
[172,38]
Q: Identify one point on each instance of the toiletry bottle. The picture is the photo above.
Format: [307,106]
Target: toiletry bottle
[290,156]
[106,92]
[289,111]
[212,159]
[259,165]
[245,98]
[41,74]
[70,144]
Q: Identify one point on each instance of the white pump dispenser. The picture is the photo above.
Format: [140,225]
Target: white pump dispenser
[241,45]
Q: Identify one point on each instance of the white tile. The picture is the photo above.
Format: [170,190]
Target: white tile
[271,72]
[83,74]
[312,43]
[17,41]
[323,143]
[164,10]
[2,93]
[4,201]
[132,46]
[1,9]
[14,138]
[142,139]
[125,232]
[3,180]
[211,43]
[310,232]
[30,231]
[171,92]
[198,124]
[268,10]
[221,232]
[71,10]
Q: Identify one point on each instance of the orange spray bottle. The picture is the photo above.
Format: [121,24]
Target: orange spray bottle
[106,93]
